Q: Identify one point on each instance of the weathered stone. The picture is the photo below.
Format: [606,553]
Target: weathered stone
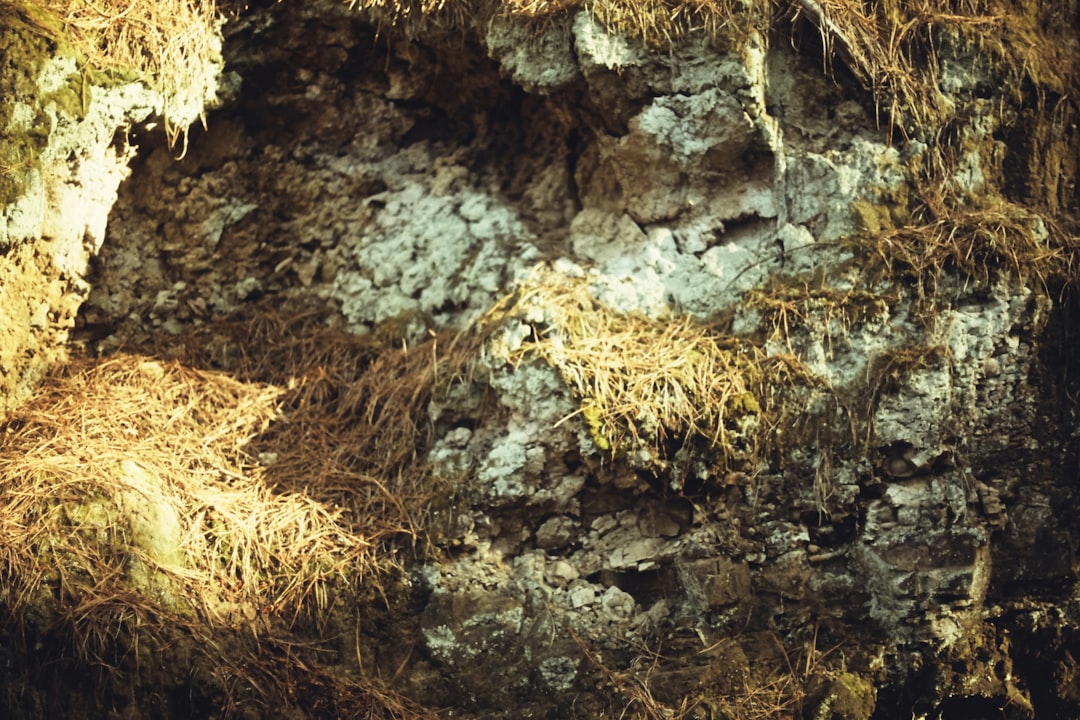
[463,627]
[714,582]
[557,532]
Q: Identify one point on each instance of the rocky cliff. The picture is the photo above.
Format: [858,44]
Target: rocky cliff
[702,360]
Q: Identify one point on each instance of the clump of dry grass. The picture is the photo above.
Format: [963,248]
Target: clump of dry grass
[980,246]
[662,22]
[772,684]
[882,44]
[893,48]
[353,403]
[301,681]
[174,44]
[644,383]
[142,496]
[133,463]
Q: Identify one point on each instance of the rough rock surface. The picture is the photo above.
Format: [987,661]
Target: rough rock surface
[915,505]
[63,155]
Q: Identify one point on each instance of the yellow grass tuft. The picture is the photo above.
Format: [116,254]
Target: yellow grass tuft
[132,473]
[662,22]
[646,384]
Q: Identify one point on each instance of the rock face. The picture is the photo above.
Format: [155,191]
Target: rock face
[64,153]
[828,463]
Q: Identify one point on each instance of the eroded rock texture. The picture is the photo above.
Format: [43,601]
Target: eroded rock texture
[62,157]
[893,526]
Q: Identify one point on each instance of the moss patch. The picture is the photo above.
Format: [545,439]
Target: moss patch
[28,39]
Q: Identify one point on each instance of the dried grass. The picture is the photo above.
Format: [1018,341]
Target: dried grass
[174,44]
[358,406]
[772,686]
[662,22]
[100,431]
[980,246]
[891,46]
[287,672]
[149,497]
[643,383]
[832,313]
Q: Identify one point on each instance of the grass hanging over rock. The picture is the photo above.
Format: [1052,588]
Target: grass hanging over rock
[173,45]
[980,246]
[648,385]
[901,52]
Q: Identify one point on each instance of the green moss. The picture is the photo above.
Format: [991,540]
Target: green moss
[594,419]
[841,696]
[28,38]
[27,41]
[97,515]
[18,160]
[73,99]
[77,94]
[113,76]
[871,218]
[744,404]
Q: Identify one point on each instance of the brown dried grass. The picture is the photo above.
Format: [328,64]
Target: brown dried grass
[662,22]
[893,47]
[174,44]
[354,403]
[68,455]
[980,246]
[771,686]
[643,383]
[286,671]
[144,495]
